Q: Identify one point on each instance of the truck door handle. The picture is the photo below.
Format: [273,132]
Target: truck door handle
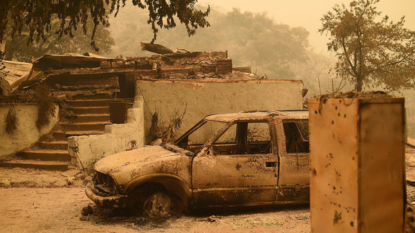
[270,164]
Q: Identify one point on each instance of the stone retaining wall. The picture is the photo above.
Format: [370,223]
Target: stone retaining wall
[26,133]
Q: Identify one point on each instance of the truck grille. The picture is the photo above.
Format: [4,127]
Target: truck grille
[104,184]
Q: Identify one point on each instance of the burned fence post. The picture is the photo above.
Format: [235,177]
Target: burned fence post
[357,179]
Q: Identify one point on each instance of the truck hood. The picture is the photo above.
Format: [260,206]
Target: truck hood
[125,167]
[126,158]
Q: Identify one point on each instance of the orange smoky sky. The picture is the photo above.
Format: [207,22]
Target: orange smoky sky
[307,13]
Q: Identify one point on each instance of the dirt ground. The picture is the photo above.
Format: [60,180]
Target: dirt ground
[59,210]
[37,204]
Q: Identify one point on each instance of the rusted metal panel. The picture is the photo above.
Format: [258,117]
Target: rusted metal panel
[230,171]
[234,179]
[297,193]
[294,169]
[294,166]
[293,184]
[382,169]
[234,197]
[357,164]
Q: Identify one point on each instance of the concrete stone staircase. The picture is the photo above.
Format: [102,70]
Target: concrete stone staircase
[90,115]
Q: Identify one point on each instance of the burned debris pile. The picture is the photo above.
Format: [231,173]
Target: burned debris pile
[188,65]
[90,73]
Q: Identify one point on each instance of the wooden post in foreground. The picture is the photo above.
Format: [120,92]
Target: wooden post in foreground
[357,163]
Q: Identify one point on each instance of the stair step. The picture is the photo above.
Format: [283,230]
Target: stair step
[98,95]
[61,135]
[78,133]
[89,87]
[45,165]
[81,133]
[90,110]
[88,126]
[46,155]
[88,102]
[54,145]
[89,118]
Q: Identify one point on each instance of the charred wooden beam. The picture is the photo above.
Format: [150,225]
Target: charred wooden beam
[155,48]
[246,69]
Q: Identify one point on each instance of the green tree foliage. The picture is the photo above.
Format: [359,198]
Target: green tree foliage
[38,15]
[370,52]
[17,48]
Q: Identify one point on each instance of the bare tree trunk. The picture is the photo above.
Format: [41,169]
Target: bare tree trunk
[2,49]
[9,50]
[359,84]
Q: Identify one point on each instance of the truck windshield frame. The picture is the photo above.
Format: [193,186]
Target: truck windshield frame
[211,130]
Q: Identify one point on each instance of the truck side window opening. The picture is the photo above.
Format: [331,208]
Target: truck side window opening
[205,132]
[244,138]
[201,135]
[226,143]
[296,136]
[259,138]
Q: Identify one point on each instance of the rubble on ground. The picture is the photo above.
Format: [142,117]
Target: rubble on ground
[23,177]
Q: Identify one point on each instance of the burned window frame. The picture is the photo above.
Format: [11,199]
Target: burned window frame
[183,141]
[239,123]
[304,147]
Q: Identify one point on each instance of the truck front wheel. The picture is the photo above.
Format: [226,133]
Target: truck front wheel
[158,205]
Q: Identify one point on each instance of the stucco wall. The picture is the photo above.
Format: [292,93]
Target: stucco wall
[26,133]
[117,138]
[204,97]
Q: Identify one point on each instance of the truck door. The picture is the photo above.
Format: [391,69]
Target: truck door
[240,167]
[294,161]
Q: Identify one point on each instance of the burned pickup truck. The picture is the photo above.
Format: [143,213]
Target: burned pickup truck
[235,159]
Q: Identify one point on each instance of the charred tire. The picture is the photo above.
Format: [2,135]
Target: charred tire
[147,197]
[159,205]
[139,195]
